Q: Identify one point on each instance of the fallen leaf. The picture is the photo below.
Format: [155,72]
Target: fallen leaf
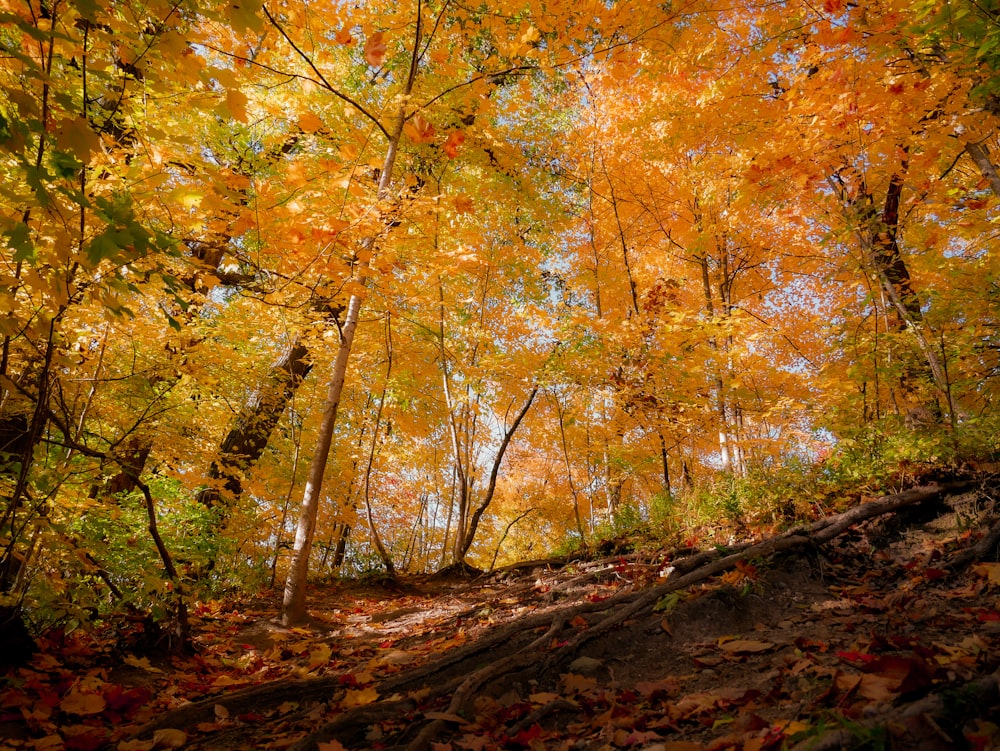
[169,738]
[360,697]
[574,682]
[989,571]
[320,655]
[543,698]
[77,702]
[142,663]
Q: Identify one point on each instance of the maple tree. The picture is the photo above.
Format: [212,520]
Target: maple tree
[546,268]
[295,290]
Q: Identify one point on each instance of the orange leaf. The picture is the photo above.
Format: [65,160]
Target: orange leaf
[309,122]
[746,646]
[375,49]
[419,129]
[455,139]
[343,37]
[77,702]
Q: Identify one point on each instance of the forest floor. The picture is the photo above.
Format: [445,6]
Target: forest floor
[875,628]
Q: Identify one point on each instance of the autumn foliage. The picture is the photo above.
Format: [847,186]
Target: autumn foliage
[575,265]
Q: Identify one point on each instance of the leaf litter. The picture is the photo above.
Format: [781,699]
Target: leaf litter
[852,632]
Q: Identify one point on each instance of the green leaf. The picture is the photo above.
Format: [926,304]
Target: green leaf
[19,240]
[64,164]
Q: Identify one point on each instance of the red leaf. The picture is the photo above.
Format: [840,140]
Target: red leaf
[455,139]
[857,658]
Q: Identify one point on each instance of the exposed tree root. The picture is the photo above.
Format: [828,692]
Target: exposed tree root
[523,647]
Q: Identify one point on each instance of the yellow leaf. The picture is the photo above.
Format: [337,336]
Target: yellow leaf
[990,571]
[77,702]
[419,129]
[319,655]
[75,136]
[142,663]
[360,697]
[189,198]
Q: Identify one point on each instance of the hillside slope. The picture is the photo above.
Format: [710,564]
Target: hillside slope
[877,626]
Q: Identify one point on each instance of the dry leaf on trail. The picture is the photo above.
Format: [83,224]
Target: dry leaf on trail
[359,697]
[746,646]
[77,702]
[330,746]
[169,738]
[142,663]
[573,682]
[989,571]
[543,698]
[319,655]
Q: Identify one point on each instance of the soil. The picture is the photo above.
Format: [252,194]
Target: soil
[879,632]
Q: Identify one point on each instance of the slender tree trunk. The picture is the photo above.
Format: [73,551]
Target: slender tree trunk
[477,515]
[372,527]
[569,470]
[294,603]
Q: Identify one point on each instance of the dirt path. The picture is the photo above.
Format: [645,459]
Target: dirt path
[856,629]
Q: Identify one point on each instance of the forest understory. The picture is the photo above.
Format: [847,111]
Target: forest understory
[875,628]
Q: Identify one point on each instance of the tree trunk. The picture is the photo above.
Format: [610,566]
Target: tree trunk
[470,533]
[293,608]
[248,437]
[878,236]
[294,603]
[981,156]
